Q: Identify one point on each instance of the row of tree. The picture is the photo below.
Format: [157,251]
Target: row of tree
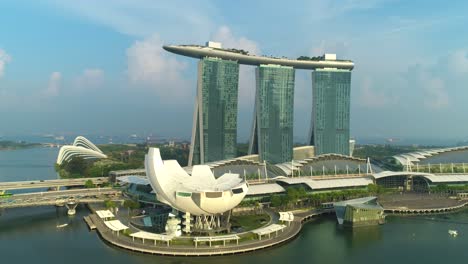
[451,189]
[79,168]
[120,157]
[298,197]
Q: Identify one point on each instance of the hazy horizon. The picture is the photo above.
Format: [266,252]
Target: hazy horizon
[98,68]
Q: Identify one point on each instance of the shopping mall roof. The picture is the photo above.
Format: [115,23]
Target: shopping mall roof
[411,158]
[317,184]
[140,180]
[260,189]
[446,178]
[228,162]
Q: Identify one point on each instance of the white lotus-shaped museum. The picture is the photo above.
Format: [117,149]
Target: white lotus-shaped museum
[198,194]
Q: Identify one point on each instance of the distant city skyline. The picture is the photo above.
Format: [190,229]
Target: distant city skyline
[87,67]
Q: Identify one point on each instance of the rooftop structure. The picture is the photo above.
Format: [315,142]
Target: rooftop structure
[412,158]
[81,147]
[328,184]
[243,57]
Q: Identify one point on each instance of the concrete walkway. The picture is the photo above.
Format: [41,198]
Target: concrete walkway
[126,242]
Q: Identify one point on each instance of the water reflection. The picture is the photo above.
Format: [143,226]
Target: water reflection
[361,236]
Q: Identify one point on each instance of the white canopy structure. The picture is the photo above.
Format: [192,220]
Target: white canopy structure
[274,228]
[199,194]
[409,159]
[81,147]
[286,216]
[151,236]
[104,214]
[216,239]
[115,225]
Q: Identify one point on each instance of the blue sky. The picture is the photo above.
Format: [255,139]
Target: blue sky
[97,67]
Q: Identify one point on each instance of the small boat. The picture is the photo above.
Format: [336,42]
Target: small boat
[453,233]
[62,225]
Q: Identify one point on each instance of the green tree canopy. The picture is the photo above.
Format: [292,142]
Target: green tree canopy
[89,184]
[131,204]
[77,165]
[276,201]
[109,204]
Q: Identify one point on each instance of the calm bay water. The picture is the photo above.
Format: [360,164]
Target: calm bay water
[29,235]
[28,164]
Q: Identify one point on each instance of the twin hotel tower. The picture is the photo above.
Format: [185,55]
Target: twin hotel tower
[214,133]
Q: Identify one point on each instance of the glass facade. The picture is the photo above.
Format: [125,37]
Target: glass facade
[330,111]
[215,125]
[272,133]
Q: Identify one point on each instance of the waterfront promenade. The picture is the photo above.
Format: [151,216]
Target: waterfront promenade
[416,203]
[126,242]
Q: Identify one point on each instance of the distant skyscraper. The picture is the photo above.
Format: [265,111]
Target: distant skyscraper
[330,111]
[214,132]
[272,131]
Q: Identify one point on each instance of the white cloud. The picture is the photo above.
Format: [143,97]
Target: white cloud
[149,65]
[339,48]
[141,17]
[4,59]
[442,84]
[371,97]
[90,78]
[433,86]
[457,62]
[434,91]
[437,96]
[329,9]
[227,38]
[54,85]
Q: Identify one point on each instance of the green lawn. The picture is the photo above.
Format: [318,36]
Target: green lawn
[249,222]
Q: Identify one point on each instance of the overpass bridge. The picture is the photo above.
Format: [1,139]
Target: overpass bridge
[68,198]
[56,184]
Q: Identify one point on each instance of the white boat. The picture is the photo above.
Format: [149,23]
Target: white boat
[62,225]
[453,233]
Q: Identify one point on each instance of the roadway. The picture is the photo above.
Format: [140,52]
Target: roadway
[5,186]
[58,197]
